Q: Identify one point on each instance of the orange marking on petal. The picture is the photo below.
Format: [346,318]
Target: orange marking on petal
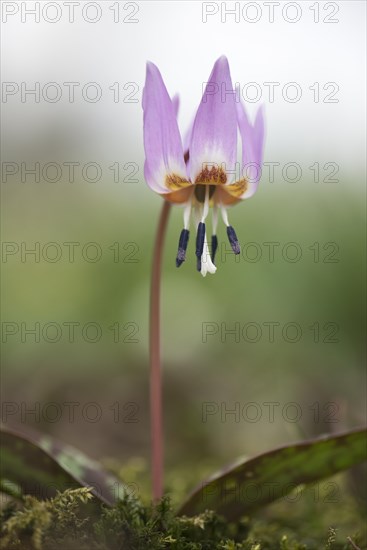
[180,196]
[176,183]
[230,194]
[212,176]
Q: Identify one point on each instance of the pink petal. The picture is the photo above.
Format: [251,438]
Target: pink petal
[252,137]
[176,103]
[162,141]
[214,134]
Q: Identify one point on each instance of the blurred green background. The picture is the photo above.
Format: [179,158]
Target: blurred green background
[202,362]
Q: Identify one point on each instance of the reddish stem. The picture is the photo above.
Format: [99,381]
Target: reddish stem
[155,357]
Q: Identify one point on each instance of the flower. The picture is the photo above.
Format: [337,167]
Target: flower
[205,171]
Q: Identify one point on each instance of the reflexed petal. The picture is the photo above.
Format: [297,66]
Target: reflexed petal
[164,169]
[252,137]
[214,135]
[180,196]
[176,103]
[233,193]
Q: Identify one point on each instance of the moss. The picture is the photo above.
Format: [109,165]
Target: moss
[37,521]
[67,521]
[314,517]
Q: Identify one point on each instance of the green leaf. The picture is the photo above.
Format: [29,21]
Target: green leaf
[249,484]
[40,465]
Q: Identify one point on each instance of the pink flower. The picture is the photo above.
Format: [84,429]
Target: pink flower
[207,172]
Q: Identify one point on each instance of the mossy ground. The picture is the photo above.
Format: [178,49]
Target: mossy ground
[73,520]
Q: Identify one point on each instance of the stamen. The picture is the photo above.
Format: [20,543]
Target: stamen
[214,247]
[200,238]
[215,219]
[214,236]
[182,246]
[185,233]
[187,213]
[197,214]
[224,215]
[206,205]
[232,237]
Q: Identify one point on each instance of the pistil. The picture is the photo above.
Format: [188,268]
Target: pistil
[206,263]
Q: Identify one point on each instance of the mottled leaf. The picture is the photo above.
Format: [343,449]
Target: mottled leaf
[249,484]
[40,465]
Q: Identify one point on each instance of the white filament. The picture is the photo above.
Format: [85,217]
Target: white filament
[215,219]
[187,214]
[224,215]
[206,205]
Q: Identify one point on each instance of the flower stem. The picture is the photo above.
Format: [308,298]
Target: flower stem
[155,357]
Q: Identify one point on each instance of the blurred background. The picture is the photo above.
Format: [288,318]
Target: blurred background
[267,351]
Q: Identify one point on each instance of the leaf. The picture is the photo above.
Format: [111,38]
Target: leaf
[40,465]
[249,484]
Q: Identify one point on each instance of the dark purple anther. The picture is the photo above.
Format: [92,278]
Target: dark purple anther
[182,246]
[214,247]
[232,237]
[200,238]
